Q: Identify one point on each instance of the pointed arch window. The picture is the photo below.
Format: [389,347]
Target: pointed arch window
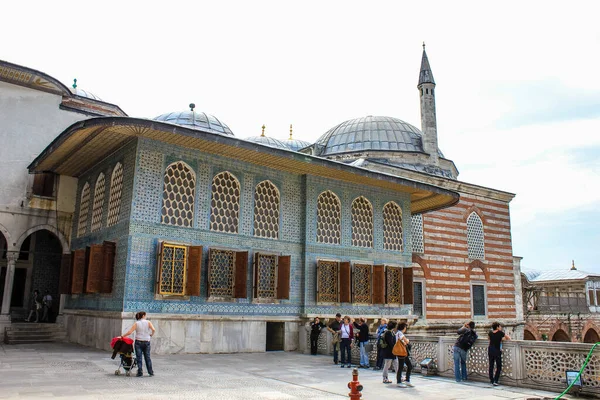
[416,225]
[84,206]
[98,205]
[392,227]
[329,213]
[114,202]
[266,210]
[179,195]
[225,203]
[475,238]
[362,222]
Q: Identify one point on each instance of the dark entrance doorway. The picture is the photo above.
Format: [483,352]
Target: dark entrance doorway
[275,336]
[18,286]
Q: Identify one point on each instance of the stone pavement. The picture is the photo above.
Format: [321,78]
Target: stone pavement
[62,370]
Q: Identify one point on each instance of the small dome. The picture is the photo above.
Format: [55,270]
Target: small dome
[296,144]
[371,133]
[196,120]
[85,93]
[268,141]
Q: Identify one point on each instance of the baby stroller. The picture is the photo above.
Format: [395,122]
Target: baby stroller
[123,347]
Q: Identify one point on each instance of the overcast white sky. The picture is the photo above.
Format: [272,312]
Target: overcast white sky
[518,88]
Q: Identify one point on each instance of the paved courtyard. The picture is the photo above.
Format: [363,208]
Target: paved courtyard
[61,370]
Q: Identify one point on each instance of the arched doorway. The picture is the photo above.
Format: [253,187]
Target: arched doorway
[528,335]
[591,336]
[37,268]
[3,248]
[560,336]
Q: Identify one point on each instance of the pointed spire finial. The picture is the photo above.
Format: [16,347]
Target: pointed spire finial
[75,83]
[290,132]
[573,266]
[423,46]
[192,106]
[263,131]
[425,75]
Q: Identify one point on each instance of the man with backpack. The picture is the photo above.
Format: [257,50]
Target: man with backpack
[380,330]
[465,341]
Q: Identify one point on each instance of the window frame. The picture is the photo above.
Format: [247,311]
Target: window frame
[254,214]
[318,285]
[162,246]
[485,303]
[235,278]
[255,276]
[423,283]
[471,247]
[353,264]
[339,225]
[164,216]
[421,236]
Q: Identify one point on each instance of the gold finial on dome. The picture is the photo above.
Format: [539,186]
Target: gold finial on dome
[290,132]
[263,131]
[573,266]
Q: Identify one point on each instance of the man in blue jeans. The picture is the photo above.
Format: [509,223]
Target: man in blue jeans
[460,350]
[362,335]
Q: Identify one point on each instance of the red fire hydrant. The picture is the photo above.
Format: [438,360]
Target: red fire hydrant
[355,386]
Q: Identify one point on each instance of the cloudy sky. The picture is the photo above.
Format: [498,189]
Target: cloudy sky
[518,88]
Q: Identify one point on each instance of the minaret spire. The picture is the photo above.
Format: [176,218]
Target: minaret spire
[426,88]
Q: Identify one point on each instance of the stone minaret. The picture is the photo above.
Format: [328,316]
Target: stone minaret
[426,88]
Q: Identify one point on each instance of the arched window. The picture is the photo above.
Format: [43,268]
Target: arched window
[225,203]
[362,222]
[179,195]
[98,202]
[266,210]
[416,224]
[114,201]
[329,213]
[84,207]
[392,227]
[475,243]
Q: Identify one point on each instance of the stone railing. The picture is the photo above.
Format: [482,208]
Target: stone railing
[538,365]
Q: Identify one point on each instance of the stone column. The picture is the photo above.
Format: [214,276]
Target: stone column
[11,260]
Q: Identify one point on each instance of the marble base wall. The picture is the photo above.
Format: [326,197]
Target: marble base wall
[180,333]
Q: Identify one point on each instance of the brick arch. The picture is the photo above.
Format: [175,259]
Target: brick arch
[478,264]
[477,211]
[533,330]
[423,264]
[589,326]
[559,326]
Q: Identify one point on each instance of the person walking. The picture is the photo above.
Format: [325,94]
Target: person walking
[334,327]
[315,332]
[461,347]
[144,330]
[346,336]
[47,304]
[496,336]
[36,306]
[362,335]
[380,330]
[389,337]
[400,331]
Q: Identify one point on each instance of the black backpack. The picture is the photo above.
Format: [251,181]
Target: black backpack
[467,340]
[382,343]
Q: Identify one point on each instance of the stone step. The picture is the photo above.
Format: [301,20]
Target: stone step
[29,341]
[32,334]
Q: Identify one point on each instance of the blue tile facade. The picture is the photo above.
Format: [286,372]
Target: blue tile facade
[139,231]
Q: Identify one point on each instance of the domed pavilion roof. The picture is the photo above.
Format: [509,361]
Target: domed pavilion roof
[196,120]
[84,93]
[268,141]
[296,144]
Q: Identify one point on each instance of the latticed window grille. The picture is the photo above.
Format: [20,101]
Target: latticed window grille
[361,277]
[418,298]
[225,203]
[329,213]
[98,202]
[416,223]
[178,195]
[478,300]
[362,223]
[266,285]
[172,269]
[327,281]
[393,284]
[266,210]
[114,201]
[475,242]
[84,206]
[392,227]
[222,273]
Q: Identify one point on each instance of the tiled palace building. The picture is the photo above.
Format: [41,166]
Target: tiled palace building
[233,244]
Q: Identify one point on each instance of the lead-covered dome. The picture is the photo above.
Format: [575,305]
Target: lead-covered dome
[196,120]
[296,144]
[268,141]
[84,93]
[370,133]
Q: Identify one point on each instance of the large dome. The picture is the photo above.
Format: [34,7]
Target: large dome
[370,133]
[268,141]
[196,120]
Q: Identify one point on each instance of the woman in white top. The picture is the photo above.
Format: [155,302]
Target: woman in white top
[143,331]
[400,331]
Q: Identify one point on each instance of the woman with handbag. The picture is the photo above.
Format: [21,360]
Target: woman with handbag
[401,352]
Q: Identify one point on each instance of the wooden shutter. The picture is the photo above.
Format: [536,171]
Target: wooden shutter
[78,269]
[208,294]
[283,277]
[95,268]
[378,284]
[255,278]
[241,273]
[407,285]
[109,267]
[345,283]
[64,285]
[194,271]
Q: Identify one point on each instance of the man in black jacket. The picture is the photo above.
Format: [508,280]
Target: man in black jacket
[460,350]
[362,335]
[334,327]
